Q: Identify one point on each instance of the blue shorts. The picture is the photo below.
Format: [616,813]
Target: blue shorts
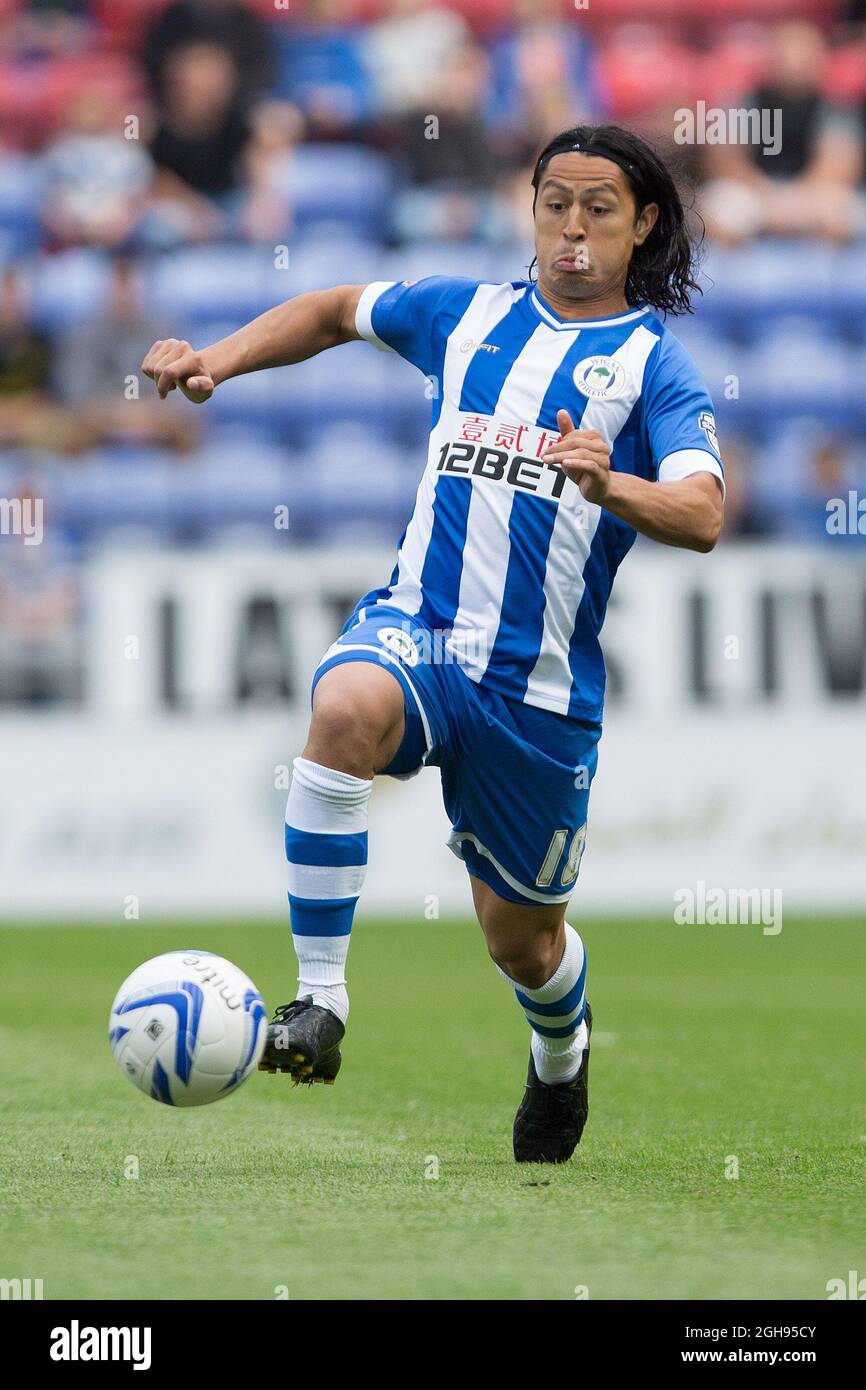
[515,778]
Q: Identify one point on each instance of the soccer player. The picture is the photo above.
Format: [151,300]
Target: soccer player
[566,418]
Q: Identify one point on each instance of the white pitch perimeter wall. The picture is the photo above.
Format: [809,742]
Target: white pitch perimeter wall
[729,755]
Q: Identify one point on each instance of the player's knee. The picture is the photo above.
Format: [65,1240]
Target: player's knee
[342,733]
[525,942]
[348,727]
[531,963]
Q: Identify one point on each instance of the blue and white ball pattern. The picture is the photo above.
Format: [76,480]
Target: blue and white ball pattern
[187,1028]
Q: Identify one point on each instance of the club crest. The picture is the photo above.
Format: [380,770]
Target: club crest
[600,378]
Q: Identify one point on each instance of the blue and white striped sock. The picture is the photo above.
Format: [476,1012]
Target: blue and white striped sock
[556,1014]
[326,846]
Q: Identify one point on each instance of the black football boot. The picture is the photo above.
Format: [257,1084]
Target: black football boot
[304,1040]
[550,1120]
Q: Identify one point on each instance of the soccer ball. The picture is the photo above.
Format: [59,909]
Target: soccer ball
[187,1027]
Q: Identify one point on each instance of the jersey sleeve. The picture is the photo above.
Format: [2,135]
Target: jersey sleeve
[400,316]
[679,417]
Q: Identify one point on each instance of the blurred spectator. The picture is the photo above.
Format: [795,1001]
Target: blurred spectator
[831,473]
[449,161]
[95,357]
[808,188]
[854,12]
[231,24]
[544,79]
[99,359]
[40,612]
[25,354]
[45,29]
[409,41]
[96,183]
[201,140]
[323,70]
[801,468]
[743,512]
[90,366]
[247,94]
[277,130]
[29,417]
[850,73]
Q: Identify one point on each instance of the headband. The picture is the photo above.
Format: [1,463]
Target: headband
[597,147]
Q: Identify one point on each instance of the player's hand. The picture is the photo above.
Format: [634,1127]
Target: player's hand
[584,456]
[172,363]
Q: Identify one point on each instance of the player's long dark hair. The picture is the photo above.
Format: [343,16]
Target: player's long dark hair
[662,271]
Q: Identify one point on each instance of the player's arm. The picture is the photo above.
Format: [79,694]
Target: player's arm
[291,332]
[686,513]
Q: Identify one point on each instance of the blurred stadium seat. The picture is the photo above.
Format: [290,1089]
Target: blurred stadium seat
[342,186]
[68,288]
[208,283]
[19,201]
[357,478]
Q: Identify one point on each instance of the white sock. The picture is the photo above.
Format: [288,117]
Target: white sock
[558,1007]
[326,848]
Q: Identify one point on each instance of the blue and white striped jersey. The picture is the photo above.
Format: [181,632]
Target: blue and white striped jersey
[502,553]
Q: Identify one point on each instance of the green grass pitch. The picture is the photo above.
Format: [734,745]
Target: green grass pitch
[710,1042]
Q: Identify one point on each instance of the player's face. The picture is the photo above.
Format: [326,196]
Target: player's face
[586,227]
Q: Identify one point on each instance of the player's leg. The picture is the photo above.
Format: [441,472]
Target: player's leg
[356,728]
[544,961]
[375,709]
[516,789]
[358,725]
